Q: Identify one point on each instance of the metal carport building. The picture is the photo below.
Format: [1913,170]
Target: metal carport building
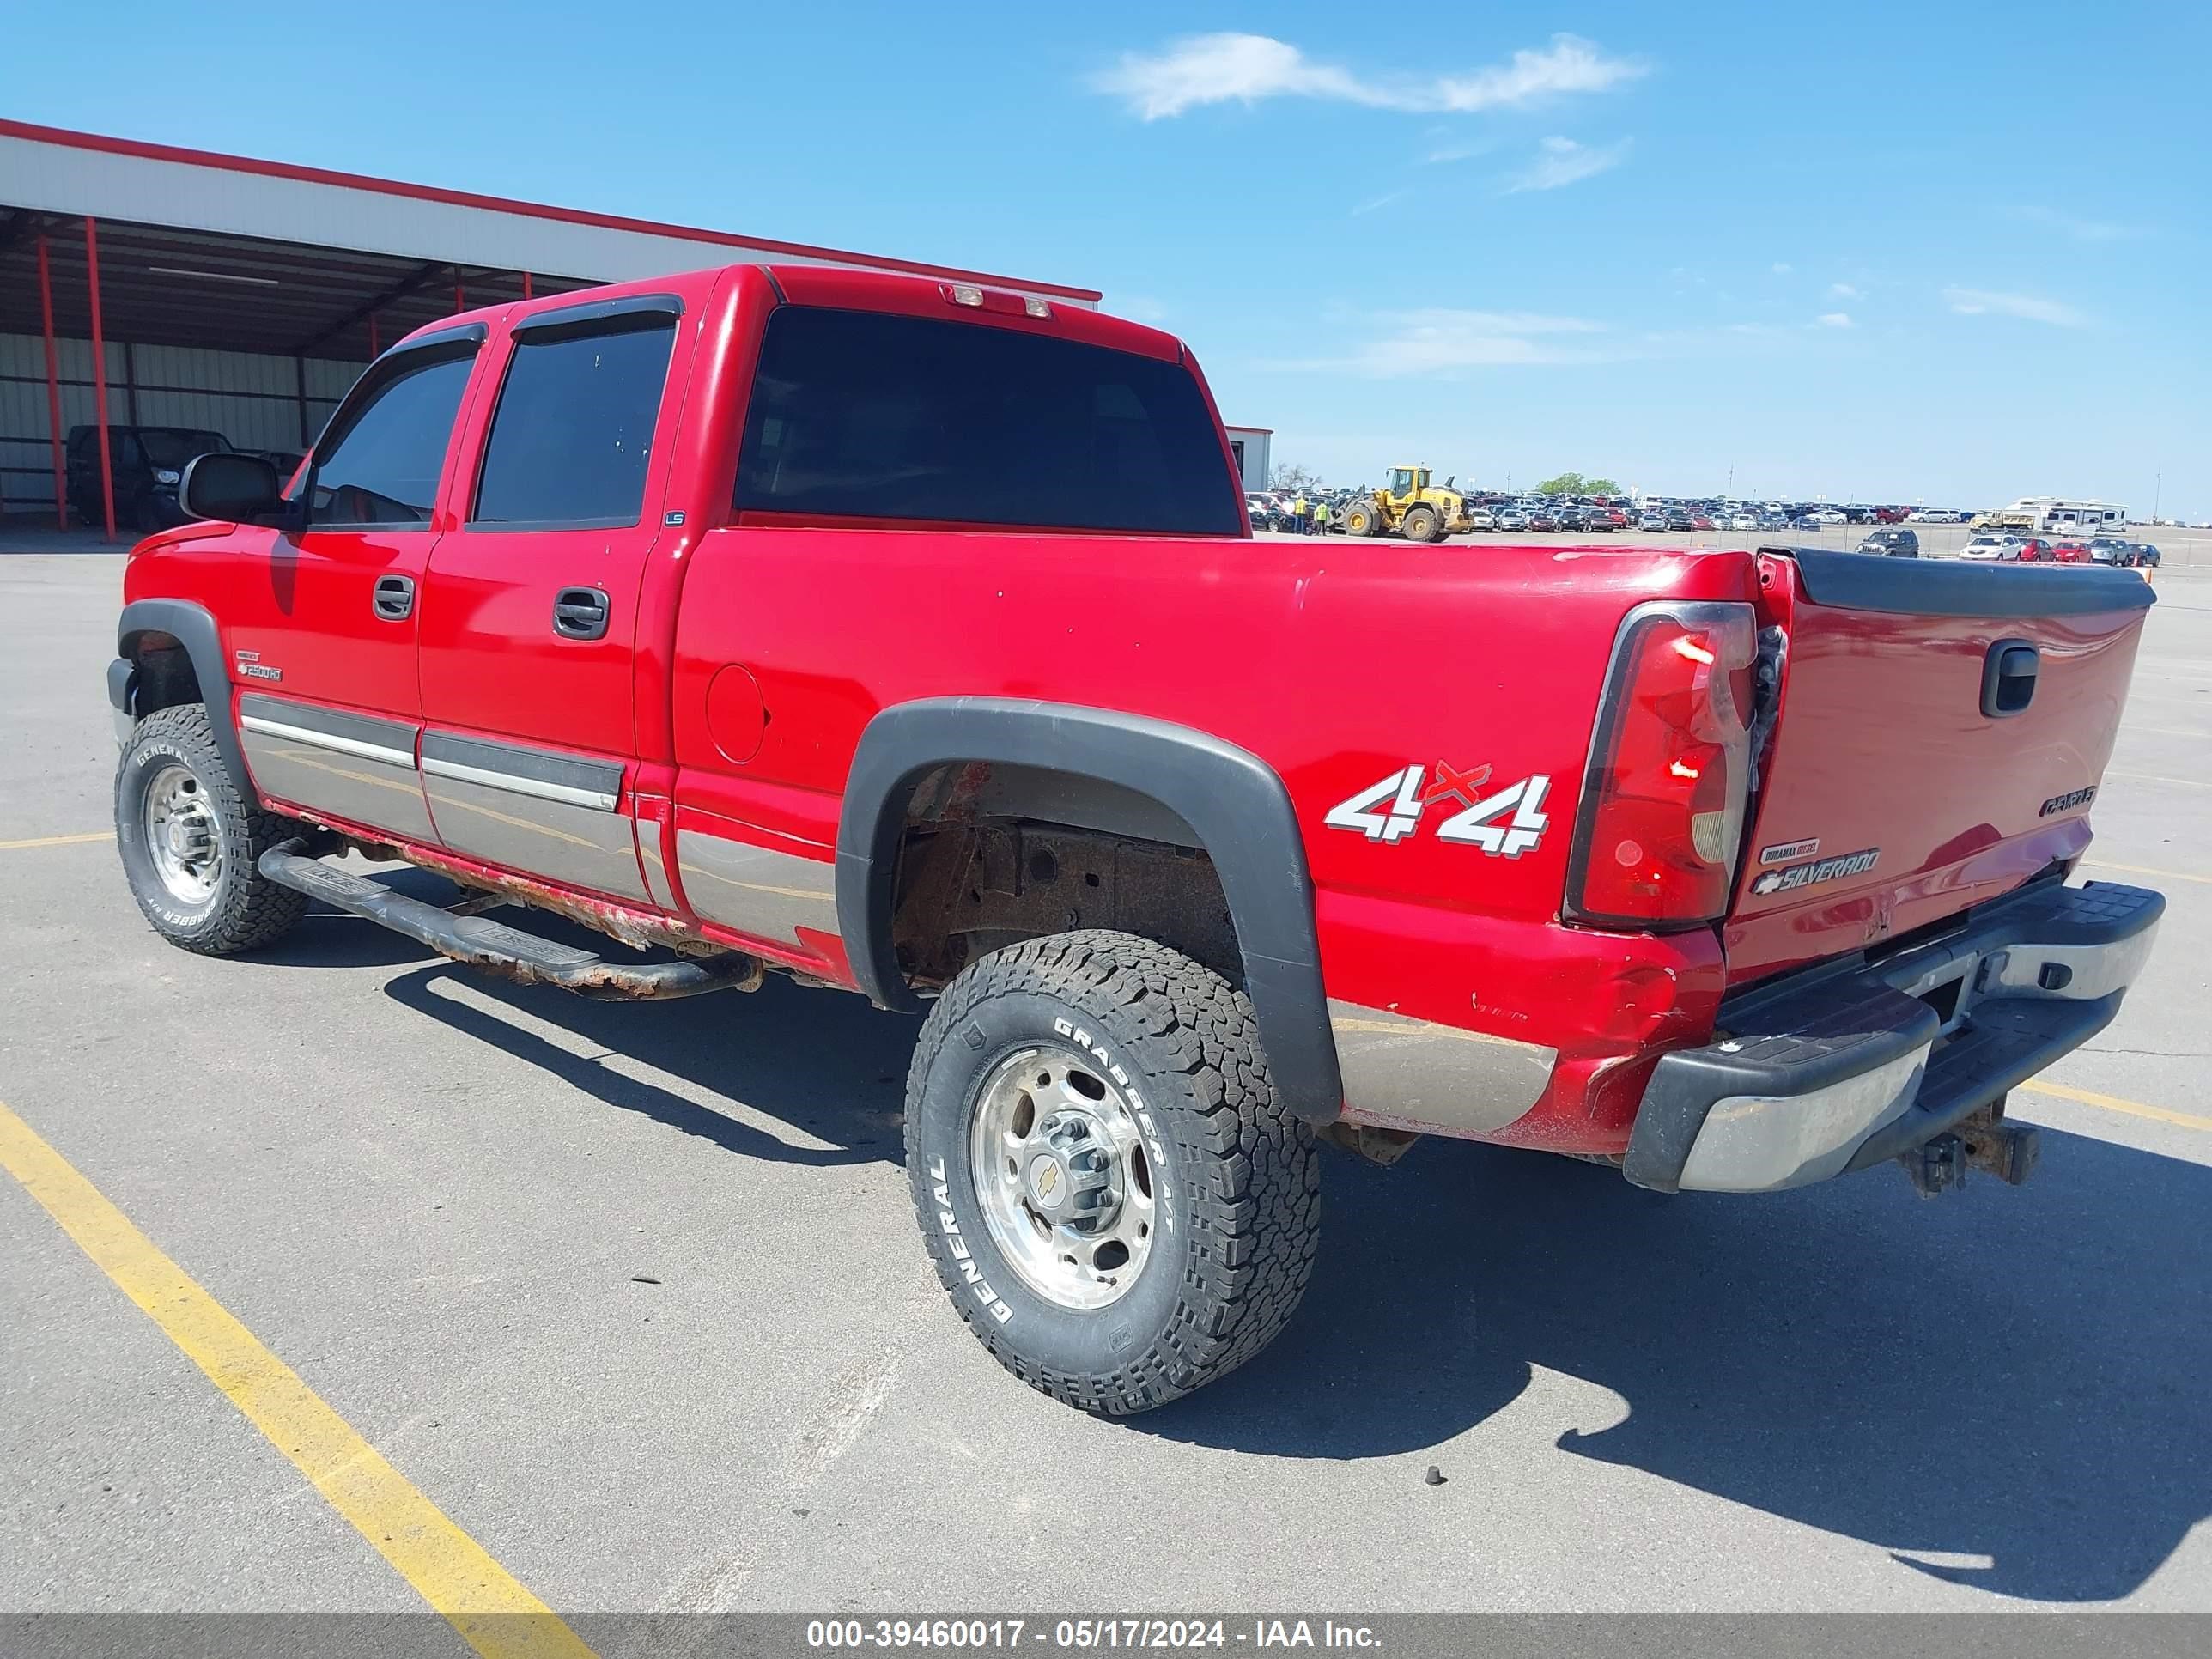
[147,285]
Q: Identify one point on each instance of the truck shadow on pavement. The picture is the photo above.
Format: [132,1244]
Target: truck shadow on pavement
[826,1064]
[834,1067]
[2011,1379]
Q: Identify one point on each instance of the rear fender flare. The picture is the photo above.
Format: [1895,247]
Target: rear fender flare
[1234,802]
[193,627]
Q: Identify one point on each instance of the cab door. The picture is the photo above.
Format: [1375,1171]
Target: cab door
[530,607]
[324,647]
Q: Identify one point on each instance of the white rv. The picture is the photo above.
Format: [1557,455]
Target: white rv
[2056,515]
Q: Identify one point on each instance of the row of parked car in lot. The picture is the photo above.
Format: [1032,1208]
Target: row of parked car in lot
[1603,516]
[2021,549]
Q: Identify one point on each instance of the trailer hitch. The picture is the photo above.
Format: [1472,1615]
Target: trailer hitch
[1984,1141]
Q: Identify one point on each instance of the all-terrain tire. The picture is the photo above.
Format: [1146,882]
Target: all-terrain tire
[1422,525]
[244,909]
[1359,520]
[1235,1176]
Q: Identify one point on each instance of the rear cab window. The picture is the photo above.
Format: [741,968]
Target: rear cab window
[572,432]
[872,416]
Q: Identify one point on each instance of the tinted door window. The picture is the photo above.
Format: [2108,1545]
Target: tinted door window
[574,431]
[382,469]
[859,414]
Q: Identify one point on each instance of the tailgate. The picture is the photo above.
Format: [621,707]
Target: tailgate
[1887,798]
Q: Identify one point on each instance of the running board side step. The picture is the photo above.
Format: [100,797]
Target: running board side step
[479,942]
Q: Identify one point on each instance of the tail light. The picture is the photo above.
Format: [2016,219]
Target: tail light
[1662,808]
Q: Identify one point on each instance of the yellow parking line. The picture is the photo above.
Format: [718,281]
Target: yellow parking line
[450,1570]
[56,840]
[2141,870]
[2114,1103]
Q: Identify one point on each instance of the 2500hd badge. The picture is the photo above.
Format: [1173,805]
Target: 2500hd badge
[1812,875]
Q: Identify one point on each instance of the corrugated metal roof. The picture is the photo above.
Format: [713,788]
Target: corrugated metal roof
[53,170]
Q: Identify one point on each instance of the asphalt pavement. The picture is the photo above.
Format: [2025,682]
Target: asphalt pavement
[634,1294]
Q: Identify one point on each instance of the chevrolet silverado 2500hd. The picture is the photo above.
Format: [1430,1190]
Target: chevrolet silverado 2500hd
[909,637]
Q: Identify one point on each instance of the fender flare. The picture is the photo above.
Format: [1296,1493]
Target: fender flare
[193,627]
[1232,800]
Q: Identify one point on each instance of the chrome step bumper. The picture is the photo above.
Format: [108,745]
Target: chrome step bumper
[1843,1065]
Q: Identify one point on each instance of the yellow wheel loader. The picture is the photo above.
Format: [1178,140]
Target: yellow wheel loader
[1408,506]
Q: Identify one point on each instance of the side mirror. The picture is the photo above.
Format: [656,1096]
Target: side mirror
[241,489]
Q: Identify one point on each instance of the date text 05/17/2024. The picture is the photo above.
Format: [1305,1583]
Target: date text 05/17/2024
[1087,1635]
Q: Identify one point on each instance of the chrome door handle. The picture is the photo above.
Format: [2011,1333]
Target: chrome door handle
[394,598]
[579,613]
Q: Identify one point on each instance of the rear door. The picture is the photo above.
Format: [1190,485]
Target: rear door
[1941,732]
[531,606]
[324,647]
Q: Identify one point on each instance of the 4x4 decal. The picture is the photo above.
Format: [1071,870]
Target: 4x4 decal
[1519,805]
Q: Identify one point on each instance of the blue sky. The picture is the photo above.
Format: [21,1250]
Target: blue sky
[1874,251]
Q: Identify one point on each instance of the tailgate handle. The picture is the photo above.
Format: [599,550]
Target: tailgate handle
[2008,677]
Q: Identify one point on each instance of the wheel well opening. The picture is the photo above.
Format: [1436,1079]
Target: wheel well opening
[995,855]
[166,676]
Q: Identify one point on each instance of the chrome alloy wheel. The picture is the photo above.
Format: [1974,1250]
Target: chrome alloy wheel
[183,836]
[1061,1177]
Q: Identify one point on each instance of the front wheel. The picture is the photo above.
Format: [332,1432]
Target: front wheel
[1112,1195]
[191,833]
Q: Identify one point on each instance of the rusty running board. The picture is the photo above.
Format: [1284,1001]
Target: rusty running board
[479,942]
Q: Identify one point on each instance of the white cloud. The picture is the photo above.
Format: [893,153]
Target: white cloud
[1439,339]
[2072,225]
[1382,201]
[1457,153]
[1842,291]
[1227,68]
[1981,301]
[1834,320]
[1782,270]
[1569,65]
[1563,161]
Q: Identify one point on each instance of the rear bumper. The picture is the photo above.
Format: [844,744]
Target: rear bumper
[1847,1064]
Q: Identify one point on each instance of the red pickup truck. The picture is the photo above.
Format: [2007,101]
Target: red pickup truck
[909,637]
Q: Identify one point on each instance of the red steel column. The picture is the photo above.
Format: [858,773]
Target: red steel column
[525,285]
[99,373]
[53,389]
[373,347]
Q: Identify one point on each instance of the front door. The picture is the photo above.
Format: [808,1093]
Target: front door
[530,607]
[324,647]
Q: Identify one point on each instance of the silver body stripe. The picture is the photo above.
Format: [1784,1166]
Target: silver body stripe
[597,800]
[329,740]
[756,889]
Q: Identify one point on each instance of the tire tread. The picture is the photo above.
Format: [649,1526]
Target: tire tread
[1254,1225]
[250,910]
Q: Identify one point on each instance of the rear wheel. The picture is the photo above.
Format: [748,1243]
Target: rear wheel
[1422,525]
[1113,1197]
[191,834]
